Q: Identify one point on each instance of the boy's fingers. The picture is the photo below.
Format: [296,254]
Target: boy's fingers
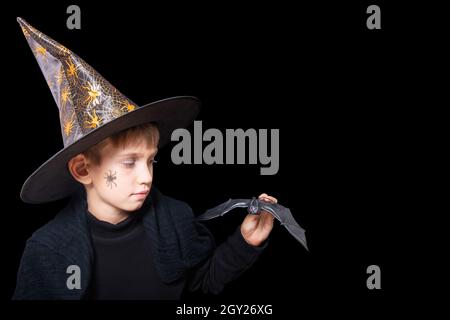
[267,216]
[268,198]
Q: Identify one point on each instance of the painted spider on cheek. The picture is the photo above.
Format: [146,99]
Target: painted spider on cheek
[110,177]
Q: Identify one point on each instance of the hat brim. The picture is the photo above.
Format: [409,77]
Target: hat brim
[53,181]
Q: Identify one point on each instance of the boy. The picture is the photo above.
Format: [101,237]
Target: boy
[119,237]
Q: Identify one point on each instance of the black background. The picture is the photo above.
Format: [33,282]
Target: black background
[335,89]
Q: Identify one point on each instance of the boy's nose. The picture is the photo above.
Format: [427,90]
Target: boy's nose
[145,176]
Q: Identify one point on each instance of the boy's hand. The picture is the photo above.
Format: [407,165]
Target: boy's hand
[256,228]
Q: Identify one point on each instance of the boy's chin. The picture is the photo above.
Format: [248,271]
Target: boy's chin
[133,206]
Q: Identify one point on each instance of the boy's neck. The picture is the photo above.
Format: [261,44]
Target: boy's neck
[105,212]
[110,218]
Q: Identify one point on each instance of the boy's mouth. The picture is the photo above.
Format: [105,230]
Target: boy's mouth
[141,194]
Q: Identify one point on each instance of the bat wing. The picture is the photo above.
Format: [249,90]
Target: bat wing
[286,219]
[223,208]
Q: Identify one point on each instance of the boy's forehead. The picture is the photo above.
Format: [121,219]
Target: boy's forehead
[142,148]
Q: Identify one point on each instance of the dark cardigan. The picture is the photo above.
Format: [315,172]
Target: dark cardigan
[183,251]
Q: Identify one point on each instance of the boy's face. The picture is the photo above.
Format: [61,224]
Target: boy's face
[122,180]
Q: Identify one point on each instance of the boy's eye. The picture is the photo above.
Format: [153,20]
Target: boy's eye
[129,163]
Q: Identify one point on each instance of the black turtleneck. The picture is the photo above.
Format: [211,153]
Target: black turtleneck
[124,267]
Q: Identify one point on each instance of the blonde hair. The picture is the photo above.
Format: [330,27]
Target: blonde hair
[148,131]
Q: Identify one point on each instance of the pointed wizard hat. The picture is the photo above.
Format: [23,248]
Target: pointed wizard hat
[90,110]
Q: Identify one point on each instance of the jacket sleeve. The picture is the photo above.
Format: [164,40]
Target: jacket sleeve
[227,262]
[39,277]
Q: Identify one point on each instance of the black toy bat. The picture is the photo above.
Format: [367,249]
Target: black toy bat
[254,206]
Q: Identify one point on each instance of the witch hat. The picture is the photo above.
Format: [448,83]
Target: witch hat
[90,110]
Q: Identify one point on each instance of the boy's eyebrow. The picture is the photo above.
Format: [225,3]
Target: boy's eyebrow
[136,154]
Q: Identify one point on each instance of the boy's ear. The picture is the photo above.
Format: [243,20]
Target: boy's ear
[78,168]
